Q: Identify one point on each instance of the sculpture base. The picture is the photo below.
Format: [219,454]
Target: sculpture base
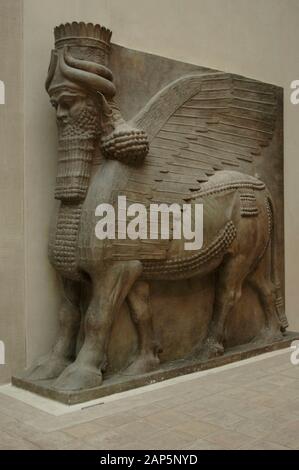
[120,382]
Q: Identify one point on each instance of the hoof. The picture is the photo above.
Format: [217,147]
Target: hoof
[268,336]
[211,348]
[49,367]
[278,336]
[78,377]
[142,365]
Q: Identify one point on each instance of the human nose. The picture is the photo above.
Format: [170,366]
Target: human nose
[61,112]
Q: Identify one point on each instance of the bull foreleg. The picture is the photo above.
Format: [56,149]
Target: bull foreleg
[63,351]
[110,288]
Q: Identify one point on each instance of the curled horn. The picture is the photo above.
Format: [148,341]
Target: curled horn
[88,66]
[52,68]
[87,74]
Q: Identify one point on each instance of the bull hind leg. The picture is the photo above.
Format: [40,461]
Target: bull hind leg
[261,281]
[147,359]
[228,291]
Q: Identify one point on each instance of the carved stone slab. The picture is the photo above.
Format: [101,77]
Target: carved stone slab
[158,131]
[121,383]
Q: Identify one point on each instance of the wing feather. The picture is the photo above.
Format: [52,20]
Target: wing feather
[200,124]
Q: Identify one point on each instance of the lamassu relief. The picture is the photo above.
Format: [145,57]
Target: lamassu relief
[157,131]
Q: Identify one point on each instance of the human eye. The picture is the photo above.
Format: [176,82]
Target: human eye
[54,103]
[68,101]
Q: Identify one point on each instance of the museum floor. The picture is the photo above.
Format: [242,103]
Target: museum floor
[249,405]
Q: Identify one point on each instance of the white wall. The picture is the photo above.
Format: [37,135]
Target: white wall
[12,323]
[255,38]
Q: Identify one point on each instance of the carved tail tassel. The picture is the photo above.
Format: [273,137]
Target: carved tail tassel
[279,303]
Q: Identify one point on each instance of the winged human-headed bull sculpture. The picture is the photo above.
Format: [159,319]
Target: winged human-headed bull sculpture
[184,147]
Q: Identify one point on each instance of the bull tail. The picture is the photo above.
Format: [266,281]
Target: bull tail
[279,303]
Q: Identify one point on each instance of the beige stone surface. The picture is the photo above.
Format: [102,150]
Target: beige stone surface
[253,38]
[12,320]
[152,419]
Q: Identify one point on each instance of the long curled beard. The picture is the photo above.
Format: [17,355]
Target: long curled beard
[77,141]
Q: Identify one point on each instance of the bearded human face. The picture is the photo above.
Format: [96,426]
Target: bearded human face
[76,113]
[78,124]
[82,93]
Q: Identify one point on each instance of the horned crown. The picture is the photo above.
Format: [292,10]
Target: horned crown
[74,32]
[81,59]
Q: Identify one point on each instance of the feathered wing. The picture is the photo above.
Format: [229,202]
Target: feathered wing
[196,125]
[199,124]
